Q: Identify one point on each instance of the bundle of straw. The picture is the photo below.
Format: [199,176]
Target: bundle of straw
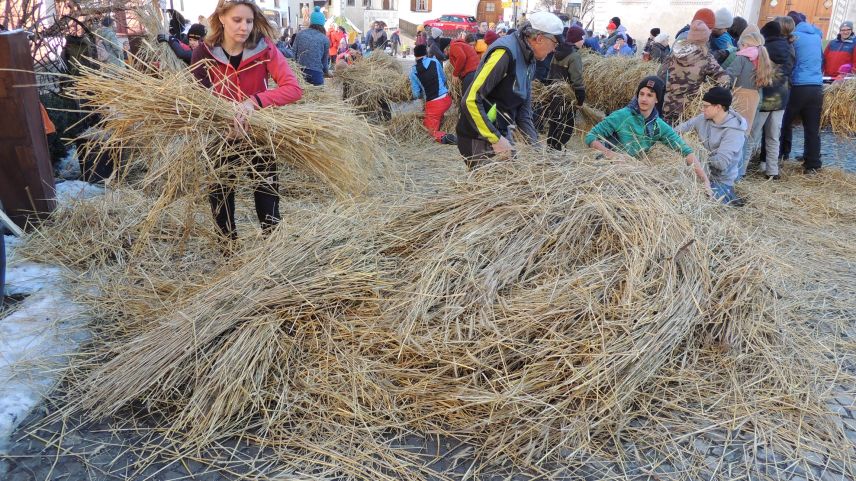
[151,51]
[543,94]
[373,82]
[611,81]
[838,112]
[453,83]
[184,130]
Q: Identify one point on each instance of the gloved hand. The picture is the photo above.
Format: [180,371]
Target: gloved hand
[720,55]
[581,96]
[162,38]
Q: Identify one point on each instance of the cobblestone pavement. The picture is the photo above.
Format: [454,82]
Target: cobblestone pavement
[112,450]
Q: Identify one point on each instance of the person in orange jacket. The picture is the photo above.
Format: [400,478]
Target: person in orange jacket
[335,34]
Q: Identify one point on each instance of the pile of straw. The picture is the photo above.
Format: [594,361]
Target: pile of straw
[838,113]
[151,51]
[585,116]
[534,311]
[611,81]
[453,83]
[373,82]
[182,131]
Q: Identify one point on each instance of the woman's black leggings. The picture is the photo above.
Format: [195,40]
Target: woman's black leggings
[265,193]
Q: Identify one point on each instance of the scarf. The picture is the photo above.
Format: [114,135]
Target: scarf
[751,53]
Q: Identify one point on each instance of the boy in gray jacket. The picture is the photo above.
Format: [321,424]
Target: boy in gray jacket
[723,132]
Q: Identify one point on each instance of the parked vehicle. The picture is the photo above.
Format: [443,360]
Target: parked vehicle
[452,24]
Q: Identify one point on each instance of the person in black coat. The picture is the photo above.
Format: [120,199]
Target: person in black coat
[774,98]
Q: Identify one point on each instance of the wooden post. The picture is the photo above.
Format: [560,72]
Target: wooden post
[26,174]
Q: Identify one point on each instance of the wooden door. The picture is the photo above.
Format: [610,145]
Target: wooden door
[489,11]
[817,12]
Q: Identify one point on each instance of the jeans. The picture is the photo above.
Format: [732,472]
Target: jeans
[723,192]
[805,101]
[315,77]
[767,126]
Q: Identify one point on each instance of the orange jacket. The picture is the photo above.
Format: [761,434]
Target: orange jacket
[335,37]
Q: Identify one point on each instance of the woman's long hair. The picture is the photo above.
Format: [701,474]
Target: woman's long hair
[788,25]
[765,70]
[261,27]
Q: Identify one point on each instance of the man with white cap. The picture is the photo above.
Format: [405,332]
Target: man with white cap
[499,100]
[840,51]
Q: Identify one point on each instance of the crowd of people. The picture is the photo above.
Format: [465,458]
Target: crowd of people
[764,79]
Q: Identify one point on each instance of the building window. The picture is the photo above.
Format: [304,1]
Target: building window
[351,3]
[275,3]
[420,5]
[367,3]
[489,7]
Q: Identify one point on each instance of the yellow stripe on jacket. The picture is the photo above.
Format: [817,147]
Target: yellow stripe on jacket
[479,119]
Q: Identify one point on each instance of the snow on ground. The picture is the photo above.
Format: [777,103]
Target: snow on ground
[39,334]
[76,189]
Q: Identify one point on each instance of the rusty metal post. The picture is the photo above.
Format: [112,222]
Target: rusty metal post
[26,174]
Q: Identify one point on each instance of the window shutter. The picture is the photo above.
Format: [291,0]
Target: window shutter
[429,6]
[412,5]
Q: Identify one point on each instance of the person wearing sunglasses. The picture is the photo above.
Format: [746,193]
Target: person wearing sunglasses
[234,62]
[840,51]
[500,97]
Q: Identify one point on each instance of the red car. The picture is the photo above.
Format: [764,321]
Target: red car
[452,24]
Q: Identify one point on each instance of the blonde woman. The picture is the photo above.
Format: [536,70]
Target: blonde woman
[234,62]
[750,71]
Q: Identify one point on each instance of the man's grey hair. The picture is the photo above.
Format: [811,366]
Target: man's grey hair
[526,30]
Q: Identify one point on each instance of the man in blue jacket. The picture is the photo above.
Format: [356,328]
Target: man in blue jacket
[806,97]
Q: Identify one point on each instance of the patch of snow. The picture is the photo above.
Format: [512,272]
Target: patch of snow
[72,190]
[69,166]
[30,277]
[36,338]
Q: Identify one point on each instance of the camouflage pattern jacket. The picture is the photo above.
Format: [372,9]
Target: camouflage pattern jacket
[685,71]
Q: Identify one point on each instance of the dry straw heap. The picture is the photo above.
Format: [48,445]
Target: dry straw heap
[153,54]
[373,82]
[838,112]
[541,313]
[611,81]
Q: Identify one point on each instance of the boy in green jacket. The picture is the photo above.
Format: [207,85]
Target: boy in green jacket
[634,129]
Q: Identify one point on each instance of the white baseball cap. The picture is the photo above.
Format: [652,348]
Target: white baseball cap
[546,22]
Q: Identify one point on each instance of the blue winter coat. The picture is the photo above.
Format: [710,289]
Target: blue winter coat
[624,52]
[809,55]
[722,42]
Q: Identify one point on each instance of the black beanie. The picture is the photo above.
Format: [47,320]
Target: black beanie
[771,30]
[197,31]
[656,84]
[420,51]
[616,21]
[655,31]
[718,96]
